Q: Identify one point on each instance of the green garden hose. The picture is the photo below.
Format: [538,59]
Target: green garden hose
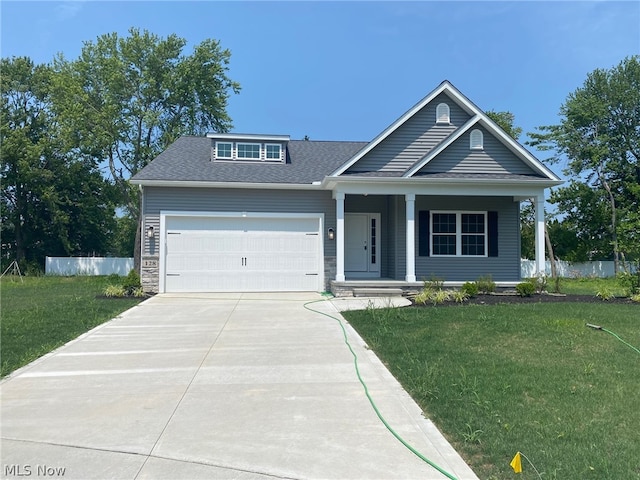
[373,404]
[598,327]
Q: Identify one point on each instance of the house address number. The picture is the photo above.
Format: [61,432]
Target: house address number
[150,263]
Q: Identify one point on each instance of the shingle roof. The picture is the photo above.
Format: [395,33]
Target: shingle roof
[189,159]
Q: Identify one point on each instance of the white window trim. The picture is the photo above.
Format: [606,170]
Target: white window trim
[276,159]
[439,108]
[248,158]
[224,143]
[476,143]
[458,233]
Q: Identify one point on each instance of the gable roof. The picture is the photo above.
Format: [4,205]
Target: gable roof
[188,159]
[477,117]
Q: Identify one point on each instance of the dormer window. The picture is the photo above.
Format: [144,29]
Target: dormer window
[231,147]
[476,140]
[442,114]
[223,149]
[249,151]
[273,151]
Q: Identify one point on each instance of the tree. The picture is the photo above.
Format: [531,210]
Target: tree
[124,100]
[505,121]
[599,137]
[52,204]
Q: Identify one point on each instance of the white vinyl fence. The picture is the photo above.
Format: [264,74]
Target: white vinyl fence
[572,270]
[122,266]
[88,266]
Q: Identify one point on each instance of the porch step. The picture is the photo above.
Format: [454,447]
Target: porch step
[377,292]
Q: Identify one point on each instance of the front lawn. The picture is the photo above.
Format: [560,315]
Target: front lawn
[497,379]
[43,313]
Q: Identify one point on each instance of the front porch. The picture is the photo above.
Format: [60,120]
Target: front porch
[388,243]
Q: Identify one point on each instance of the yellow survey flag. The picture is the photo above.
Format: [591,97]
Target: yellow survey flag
[516,463]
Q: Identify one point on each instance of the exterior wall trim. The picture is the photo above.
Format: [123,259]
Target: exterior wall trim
[206,184]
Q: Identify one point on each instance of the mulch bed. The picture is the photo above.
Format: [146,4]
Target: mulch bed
[499,298]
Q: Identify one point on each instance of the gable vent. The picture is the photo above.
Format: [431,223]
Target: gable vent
[442,113]
[476,140]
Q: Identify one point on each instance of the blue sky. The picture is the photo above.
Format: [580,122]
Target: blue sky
[346,70]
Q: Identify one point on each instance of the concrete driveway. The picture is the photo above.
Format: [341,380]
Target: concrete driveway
[238,386]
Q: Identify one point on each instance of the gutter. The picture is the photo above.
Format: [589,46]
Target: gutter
[204,184]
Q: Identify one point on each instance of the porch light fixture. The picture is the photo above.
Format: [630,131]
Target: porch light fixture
[331,234]
[150,232]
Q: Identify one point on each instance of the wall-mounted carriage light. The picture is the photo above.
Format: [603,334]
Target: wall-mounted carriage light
[150,232]
[331,234]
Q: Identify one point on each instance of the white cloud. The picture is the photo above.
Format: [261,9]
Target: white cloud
[68,10]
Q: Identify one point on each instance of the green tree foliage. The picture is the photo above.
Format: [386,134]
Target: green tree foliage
[125,99]
[505,121]
[52,203]
[599,138]
[123,237]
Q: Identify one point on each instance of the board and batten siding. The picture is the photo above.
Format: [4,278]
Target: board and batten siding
[157,199]
[493,158]
[505,267]
[412,140]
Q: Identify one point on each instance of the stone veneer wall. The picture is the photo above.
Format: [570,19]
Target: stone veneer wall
[150,274]
[329,272]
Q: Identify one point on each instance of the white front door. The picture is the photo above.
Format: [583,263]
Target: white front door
[362,245]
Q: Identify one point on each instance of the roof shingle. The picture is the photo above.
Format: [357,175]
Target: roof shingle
[189,159]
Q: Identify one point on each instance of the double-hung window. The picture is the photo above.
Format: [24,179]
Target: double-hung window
[459,234]
[272,151]
[248,151]
[223,150]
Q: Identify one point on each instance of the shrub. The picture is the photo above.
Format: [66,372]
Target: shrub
[114,291]
[459,296]
[138,292]
[469,288]
[605,293]
[423,297]
[525,289]
[486,284]
[430,295]
[131,282]
[630,282]
[540,283]
[635,298]
[434,283]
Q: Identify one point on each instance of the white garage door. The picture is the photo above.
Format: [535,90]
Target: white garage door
[242,254]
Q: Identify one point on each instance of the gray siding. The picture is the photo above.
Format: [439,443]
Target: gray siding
[494,158]
[412,140]
[157,199]
[505,267]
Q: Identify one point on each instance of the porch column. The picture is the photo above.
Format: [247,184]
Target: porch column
[538,202]
[340,237]
[410,200]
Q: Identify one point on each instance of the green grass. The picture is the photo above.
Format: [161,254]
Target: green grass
[530,378]
[588,286]
[43,313]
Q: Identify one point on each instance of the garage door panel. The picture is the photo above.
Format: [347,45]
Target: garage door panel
[238,254]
